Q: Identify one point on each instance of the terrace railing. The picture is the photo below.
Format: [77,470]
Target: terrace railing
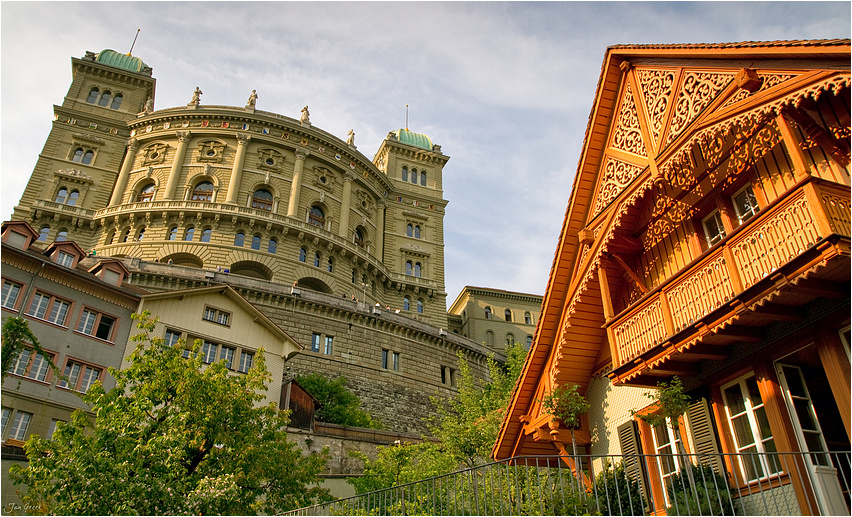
[724,484]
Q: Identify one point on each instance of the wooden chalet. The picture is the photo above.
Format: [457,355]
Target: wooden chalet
[707,237]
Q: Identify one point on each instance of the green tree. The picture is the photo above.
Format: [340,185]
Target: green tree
[566,404]
[175,436]
[18,337]
[338,404]
[467,424]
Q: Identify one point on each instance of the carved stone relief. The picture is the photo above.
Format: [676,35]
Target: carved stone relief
[270,160]
[325,178]
[154,154]
[211,151]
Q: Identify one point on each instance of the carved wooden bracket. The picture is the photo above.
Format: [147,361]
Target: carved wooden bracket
[748,80]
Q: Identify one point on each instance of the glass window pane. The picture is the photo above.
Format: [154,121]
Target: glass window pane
[742,431]
[734,398]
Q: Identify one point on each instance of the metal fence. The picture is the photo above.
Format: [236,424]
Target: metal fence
[677,484]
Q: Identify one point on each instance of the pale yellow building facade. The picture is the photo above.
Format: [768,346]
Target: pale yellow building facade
[494,317]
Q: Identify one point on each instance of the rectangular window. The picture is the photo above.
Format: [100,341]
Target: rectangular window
[208,351]
[172,337]
[385,359]
[750,430]
[20,366]
[6,414]
[245,361]
[52,429]
[217,316]
[64,259]
[329,344]
[227,354]
[745,204]
[96,324]
[395,361]
[448,376]
[714,230]
[79,376]
[315,342]
[40,367]
[20,423]
[11,291]
[666,447]
[49,308]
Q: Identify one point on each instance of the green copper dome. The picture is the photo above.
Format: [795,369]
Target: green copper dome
[118,60]
[416,139]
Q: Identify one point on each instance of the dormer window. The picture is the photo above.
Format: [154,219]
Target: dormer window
[64,259]
[18,234]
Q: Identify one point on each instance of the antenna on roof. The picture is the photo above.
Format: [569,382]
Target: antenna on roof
[406,117]
[134,41]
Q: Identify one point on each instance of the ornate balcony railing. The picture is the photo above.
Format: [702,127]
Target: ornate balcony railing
[782,232]
[669,484]
[69,210]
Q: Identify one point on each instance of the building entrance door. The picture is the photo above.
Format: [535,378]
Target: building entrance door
[817,425]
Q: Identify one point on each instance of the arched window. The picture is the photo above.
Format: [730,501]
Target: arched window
[203,192]
[359,238]
[190,233]
[406,303]
[262,200]
[408,267]
[78,155]
[317,259]
[72,198]
[239,239]
[417,269]
[423,178]
[105,98]
[354,275]
[116,101]
[489,338]
[141,234]
[414,176]
[87,158]
[273,246]
[205,235]
[316,217]
[488,313]
[330,265]
[255,242]
[62,235]
[508,314]
[529,341]
[419,306]
[510,339]
[409,230]
[146,193]
[405,174]
[42,234]
[528,318]
[61,196]
[125,235]
[173,233]
[416,232]
[303,253]
[109,238]
[93,95]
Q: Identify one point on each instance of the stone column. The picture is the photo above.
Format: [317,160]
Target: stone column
[177,164]
[296,186]
[380,230]
[344,209]
[124,174]
[237,171]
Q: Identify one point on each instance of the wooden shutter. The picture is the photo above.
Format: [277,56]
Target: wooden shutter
[703,432]
[631,450]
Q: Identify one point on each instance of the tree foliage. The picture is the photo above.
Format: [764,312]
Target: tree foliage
[466,427]
[175,436]
[18,337]
[566,404]
[670,400]
[338,404]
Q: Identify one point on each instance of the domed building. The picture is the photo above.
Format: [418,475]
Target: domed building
[343,252]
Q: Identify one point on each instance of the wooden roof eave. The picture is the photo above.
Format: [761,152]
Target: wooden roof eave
[553,304]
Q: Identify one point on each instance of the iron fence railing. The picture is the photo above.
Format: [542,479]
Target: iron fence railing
[671,484]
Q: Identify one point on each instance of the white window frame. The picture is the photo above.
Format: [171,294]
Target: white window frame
[20,424]
[758,443]
[10,295]
[713,239]
[751,199]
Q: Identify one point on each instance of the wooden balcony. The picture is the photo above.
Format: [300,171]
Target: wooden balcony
[778,249]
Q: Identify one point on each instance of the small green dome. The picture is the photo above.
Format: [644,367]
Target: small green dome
[416,139]
[118,60]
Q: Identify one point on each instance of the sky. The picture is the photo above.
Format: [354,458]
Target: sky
[505,88]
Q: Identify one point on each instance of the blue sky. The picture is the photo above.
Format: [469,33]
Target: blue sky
[505,88]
